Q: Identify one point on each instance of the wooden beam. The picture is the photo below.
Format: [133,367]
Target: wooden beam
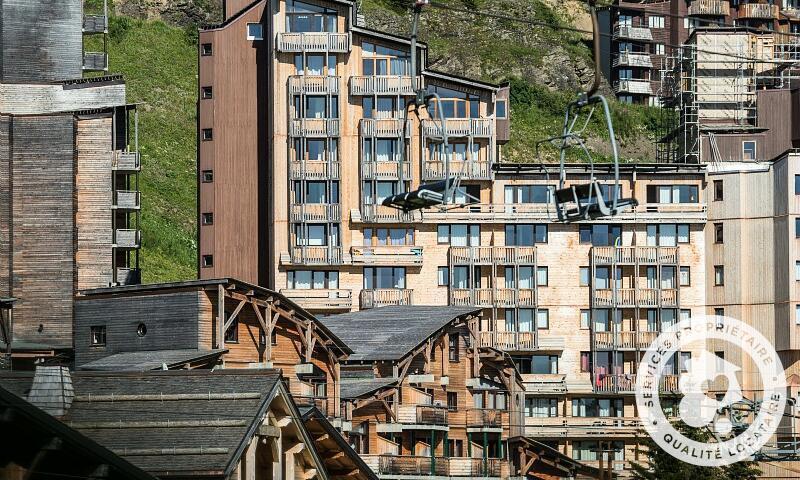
[388,409]
[269,431]
[235,314]
[220,316]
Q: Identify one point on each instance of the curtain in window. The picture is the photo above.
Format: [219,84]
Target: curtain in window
[525,320]
[460,275]
[525,277]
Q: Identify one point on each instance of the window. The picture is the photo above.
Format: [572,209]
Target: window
[454,103]
[232,333]
[388,236]
[542,319]
[525,235]
[720,361]
[655,21]
[600,235]
[208,219]
[667,234]
[206,134]
[718,190]
[686,362]
[382,60]
[444,276]
[797,227]
[501,109]
[312,279]
[718,237]
[454,345]
[597,407]
[541,407]
[206,50]
[536,364]
[797,270]
[585,361]
[583,274]
[318,64]
[686,316]
[208,176]
[206,93]
[97,335]
[208,260]
[384,277]
[316,234]
[685,277]
[541,276]
[459,235]
[316,149]
[255,31]
[797,184]
[586,315]
[316,106]
[672,194]
[658,49]
[528,194]
[588,450]
[719,275]
[797,314]
[749,150]
[317,192]
[452,400]
[719,317]
[304,17]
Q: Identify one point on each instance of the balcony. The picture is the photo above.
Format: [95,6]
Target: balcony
[313,84]
[384,297]
[545,383]
[385,170]
[551,427]
[313,255]
[792,14]
[127,200]
[486,418]
[642,34]
[384,127]
[489,297]
[95,24]
[626,383]
[460,127]
[314,170]
[509,341]
[759,10]
[127,238]
[466,169]
[639,86]
[499,255]
[289,42]
[407,255]
[383,214]
[417,415]
[413,465]
[480,297]
[634,255]
[316,212]
[314,127]
[628,59]
[624,340]
[126,162]
[95,61]
[381,85]
[713,8]
[320,299]
[129,276]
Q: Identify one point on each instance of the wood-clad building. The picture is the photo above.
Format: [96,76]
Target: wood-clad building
[69,197]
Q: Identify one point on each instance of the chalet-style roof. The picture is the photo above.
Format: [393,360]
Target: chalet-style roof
[330,446]
[546,460]
[357,388]
[146,418]
[150,360]
[390,333]
[34,435]
[228,283]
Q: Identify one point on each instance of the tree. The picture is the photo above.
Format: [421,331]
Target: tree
[660,465]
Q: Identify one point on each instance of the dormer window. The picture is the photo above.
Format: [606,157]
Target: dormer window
[304,17]
[380,60]
[456,104]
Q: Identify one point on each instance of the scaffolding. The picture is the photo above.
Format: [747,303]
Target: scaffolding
[710,85]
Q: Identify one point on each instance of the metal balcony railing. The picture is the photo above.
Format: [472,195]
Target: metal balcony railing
[127,200]
[129,276]
[382,297]
[126,162]
[95,61]
[95,24]
[289,42]
[381,85]
[127,238]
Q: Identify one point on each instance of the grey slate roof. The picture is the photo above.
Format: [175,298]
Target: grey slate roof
[217,425]
[389,333]
[358,388]
[148,360]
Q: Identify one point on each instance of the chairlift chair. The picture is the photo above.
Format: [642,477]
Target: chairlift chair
[426,196]
[586,202]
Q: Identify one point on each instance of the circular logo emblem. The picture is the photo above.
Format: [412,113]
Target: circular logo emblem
[709,392]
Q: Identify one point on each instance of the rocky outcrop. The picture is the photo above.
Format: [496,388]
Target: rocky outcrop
[183,13]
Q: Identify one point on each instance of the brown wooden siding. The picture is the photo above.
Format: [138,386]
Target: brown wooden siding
[5,206]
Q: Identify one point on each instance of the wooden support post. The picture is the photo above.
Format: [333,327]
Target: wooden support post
[485,451]
[221,316]
[446,445]
[309,342]
[433,452]
[469,445]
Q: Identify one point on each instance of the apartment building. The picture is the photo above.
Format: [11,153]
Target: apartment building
[640,35]
[69,198]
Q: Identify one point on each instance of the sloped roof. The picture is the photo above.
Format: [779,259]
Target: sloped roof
[146,418]
[358,388]
[389,333]
[329,443]
[149,360]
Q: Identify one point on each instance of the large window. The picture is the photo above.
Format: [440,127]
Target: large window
[315,64]
[602,278]
[672,194]
[384,277]
[541,407]
[455,152]
[316,234]
[375,192]
[600,235]
[388,236]
[304,17]
[525,235]
[381,107]
[455,104]
[312,279]
[597,407]
[315,192]
[380,60]
[667,234]
[587,450]
[459,235]
[536,364]
[316,106]
[528,193]
[316,149]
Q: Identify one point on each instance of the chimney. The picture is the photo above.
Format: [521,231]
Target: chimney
[52,390]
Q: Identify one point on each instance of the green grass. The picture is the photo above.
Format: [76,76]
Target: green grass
[160,67]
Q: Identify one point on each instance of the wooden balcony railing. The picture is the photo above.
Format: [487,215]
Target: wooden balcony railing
[320,299]
[626,383]
[126,162]
[127,238]
[545,383]
[381,213]
[500,255]
[381,85]
[431,415]
[758,10]
[95,24]
[387,255]
[385,170]
[313,42]
[624,340]
[95,61]
[633,33]
[384,127]
[460,127]
[509,341]
[313,84]
[631,255]
[669,297]
[481,297]
[630,297]
[716,8]
[314,170]
[382,297]
[316,255]
[486,417]
[316,212]
[468,169]
[127,200]
[414,465]
[314,127]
